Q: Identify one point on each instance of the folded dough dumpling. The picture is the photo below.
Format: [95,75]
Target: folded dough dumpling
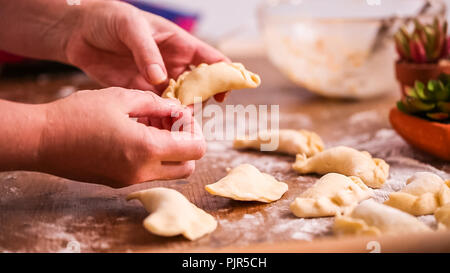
[348,161]
[423,194]
[172,214]
[247,183]
[332,194]
[289,141]
[372,218]
[207,80]
[442,215]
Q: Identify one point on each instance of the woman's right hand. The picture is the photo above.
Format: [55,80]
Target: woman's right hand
[90,136]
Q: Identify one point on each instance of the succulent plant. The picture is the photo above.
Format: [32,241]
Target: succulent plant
[431,100]
[427,43]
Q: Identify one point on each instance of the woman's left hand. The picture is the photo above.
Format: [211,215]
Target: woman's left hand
[120,45]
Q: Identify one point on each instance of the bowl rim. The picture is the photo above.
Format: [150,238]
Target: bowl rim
[441,11]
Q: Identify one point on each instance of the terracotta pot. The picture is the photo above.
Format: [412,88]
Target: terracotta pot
[407,73]
[428,136]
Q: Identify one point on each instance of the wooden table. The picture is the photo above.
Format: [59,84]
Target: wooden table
[43,213]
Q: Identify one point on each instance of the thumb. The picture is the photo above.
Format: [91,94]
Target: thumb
[136,34]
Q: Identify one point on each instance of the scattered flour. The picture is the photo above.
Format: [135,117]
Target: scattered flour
[67,234]
[364,117]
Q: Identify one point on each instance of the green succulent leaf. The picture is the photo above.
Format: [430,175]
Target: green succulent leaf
[443,94]
[414,105]
[402,43]
[410,92]
[422,94]
[438,116]
[402,107]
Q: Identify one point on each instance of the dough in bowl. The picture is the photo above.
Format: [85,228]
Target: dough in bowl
[423,194]
[172,214]
[288,141]
[372,218]
[247,183]
[205,81]
[348,161]
[332,194]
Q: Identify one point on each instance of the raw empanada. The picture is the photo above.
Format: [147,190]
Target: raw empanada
[423,194]
[207,80]
[172,214]
[372,218]
[247,183]
[442,215]
[289,142]
[332,194]
[348,161]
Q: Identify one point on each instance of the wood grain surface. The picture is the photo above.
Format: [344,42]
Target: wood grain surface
[43,213]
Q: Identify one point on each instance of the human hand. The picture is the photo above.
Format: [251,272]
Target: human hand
[90,136]
[120,45]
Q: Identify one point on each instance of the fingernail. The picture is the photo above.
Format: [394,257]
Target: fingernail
[156,74]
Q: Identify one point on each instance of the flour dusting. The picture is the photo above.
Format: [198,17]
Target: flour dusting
[277,218]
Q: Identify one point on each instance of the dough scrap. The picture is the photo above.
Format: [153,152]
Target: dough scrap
[289,141]
[172,214]
[442,215]
[247,183]
[347,161]
[372,218]
[207,80]
[423,194]
[332,194]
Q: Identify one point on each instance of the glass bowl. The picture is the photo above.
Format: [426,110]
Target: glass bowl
[339,49]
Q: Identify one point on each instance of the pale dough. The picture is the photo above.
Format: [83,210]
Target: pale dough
[372,218]
[348,161]
[207,80]
[289,141]
[172,214]
[442,215]
[423,194]
[247,183]
[332,194]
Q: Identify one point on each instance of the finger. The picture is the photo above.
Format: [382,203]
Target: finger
[136,34]
[176,170]
[177,146]
[207,54]
[148,104]
[167,123]
[140,83]
[144,120]
[156,122]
